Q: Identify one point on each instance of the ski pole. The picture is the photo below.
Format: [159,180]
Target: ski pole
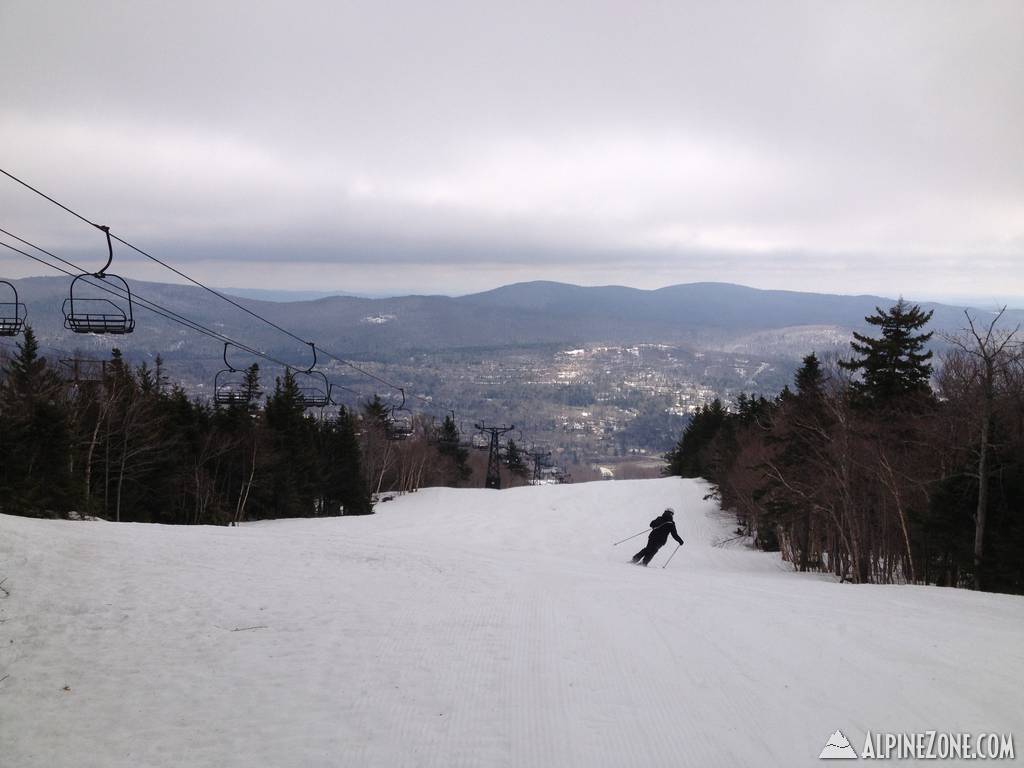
[645,530]
[678,547]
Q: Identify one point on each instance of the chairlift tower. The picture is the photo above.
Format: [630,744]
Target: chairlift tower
[539,459]
[494,457]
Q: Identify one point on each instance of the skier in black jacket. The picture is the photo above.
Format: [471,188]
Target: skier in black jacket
[661,528]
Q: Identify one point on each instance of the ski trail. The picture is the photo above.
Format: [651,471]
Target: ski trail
[469,628]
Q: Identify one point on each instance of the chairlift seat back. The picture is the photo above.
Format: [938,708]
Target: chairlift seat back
[99,315]
[12,313]
[230,388]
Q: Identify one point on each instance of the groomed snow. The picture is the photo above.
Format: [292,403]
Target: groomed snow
[473,628]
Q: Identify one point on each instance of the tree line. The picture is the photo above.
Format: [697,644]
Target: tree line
[120,443]
[881,468]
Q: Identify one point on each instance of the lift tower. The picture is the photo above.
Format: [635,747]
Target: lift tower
[539,459]
[494,457]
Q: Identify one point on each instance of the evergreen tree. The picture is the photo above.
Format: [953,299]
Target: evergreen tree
[795,435]
[159,377]
[514,460]
[449,445]
[251,386]
[689,458]
[26,369]
[376,412]
[750,409]
[292,482]
[134,443]
[378,449]
[809,378]
[35,437]
[146,379]
[894,365]
[342,467]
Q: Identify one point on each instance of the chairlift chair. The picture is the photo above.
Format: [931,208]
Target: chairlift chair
[465,442]
[399,423]
[12,313]
[96,315]
[315,392]
[230,386]
[314,388]
[433,431]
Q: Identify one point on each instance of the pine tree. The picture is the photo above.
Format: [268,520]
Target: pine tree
[449,445]
[348,484]
[26,368]
[376,411]
[35,436]
[514,460]
[810,378]
[894,365]
[293,462]
[159,377]
[688,457]
[795,434]
[251,386]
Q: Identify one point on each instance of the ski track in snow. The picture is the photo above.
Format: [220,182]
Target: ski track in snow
[473,628]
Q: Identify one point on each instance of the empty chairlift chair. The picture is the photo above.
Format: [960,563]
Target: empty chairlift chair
[233,386]
[93,314]
[12,313]
[314,388]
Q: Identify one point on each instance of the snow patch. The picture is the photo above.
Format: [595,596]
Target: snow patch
[377,319]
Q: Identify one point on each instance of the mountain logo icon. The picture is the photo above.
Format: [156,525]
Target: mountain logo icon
[838,748]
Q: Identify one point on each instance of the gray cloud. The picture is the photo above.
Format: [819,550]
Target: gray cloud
[829,146]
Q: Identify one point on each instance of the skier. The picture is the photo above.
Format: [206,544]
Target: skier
[661,528]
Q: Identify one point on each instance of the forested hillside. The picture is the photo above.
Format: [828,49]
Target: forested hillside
[884,467]
[120,443]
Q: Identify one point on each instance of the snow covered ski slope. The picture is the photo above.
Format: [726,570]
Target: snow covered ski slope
[473,628]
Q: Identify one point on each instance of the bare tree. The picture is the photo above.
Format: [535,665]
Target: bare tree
[993,352]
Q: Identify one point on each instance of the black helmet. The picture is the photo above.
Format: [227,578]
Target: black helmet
[669,512]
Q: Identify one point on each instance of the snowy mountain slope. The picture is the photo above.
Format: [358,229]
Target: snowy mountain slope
[472,628]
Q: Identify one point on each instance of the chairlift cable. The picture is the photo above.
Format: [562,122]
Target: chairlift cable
[46,196]
[118,292]
[153,258]
[146,304]
[196,282]
[111,288]
[153,307]
[182,320]
[97,285]
[189,323]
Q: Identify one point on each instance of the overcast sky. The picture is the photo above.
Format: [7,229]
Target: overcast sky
[448,147]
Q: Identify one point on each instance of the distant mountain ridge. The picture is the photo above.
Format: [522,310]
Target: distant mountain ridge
[690,305]
[714,315]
